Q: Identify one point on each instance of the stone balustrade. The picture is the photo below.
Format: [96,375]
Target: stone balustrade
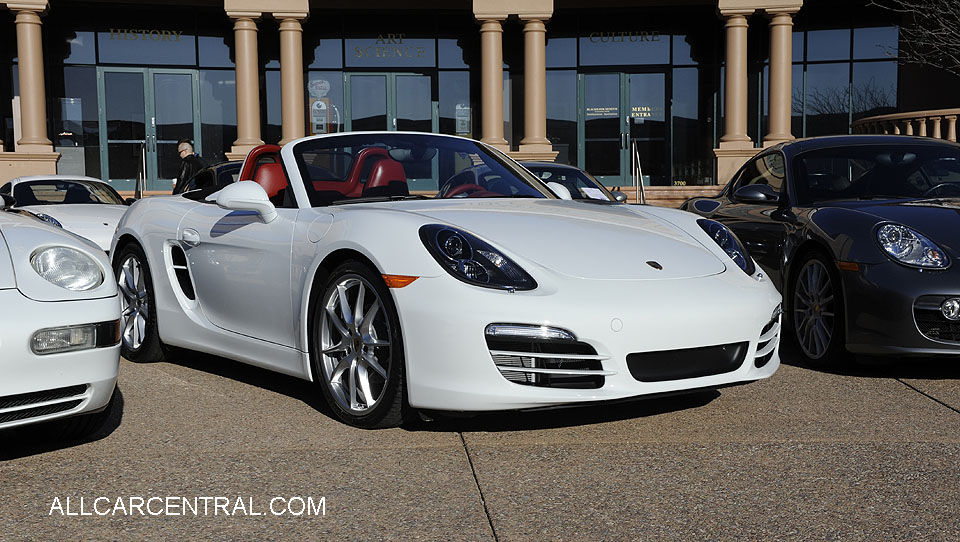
[937,123]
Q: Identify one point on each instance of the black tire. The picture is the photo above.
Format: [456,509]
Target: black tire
[389,392]
[145,347]
[84,425]
[816,312]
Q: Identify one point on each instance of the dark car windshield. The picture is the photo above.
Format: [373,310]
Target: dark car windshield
[55,192]
[877,171]
[580,184]
[377,166]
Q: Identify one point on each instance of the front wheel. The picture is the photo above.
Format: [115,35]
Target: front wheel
[817,307]
[357,349]
[140,339]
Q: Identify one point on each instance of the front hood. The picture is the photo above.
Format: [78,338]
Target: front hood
[580,240]
[936,219]
[7,279]
[86,215]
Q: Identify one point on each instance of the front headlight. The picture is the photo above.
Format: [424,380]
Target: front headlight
[473,261]
[47,218]
[910,248]
[67,268]
[726,240]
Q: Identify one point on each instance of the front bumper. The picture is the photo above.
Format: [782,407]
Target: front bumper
[41,388]
[449,365]
[880,300]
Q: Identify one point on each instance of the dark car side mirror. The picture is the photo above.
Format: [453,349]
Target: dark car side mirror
[619,196]
[129,201]
[8,200]
[757,193]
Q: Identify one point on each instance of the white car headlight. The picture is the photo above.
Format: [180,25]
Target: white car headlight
[909,247]
[67,268]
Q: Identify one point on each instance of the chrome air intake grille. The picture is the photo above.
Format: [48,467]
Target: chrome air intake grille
[179,259]
[40,403]
[769,337]
[932,323]
[548,363]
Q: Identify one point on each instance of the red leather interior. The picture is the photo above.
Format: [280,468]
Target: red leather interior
[384,172]
[271,178]
[353,185]
[253,157]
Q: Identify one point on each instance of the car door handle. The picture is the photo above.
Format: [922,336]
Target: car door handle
[190,237]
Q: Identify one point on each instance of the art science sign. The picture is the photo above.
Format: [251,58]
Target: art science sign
[391,50]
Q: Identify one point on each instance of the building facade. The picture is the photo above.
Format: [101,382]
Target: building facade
[674,93]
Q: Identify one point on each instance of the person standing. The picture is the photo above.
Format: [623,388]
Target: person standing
[190,164]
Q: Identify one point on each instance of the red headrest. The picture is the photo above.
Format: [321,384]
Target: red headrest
[271,178]
[385,171]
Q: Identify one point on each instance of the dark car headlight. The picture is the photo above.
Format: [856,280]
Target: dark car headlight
[472,260]
[908,247]
[726,240]
[47,218]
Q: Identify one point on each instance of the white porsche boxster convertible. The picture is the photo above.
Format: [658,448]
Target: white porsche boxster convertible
[59,327]
[327,265]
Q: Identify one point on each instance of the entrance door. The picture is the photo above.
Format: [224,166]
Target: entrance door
[390,101]
[143,113]
[623,113]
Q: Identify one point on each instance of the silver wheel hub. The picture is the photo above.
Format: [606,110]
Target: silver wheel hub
[136,308]
[355,344]
[813,309]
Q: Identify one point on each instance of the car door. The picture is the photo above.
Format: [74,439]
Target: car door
[241,269]
[761,226]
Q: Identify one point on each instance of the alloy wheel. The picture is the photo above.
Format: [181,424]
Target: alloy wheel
[133,292]
[355,344]
[814,309]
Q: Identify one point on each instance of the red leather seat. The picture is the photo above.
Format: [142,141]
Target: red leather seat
[387,178]
[271,178]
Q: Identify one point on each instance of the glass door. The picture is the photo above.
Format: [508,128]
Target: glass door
[143,113]
[622,114]
[390,101]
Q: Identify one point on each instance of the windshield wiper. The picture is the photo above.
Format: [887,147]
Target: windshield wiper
[376,199]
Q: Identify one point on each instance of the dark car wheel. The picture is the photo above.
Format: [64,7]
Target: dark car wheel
[140,340]
[817,307]
[357,350]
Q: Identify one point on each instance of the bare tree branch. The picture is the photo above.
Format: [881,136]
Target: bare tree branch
[931,32]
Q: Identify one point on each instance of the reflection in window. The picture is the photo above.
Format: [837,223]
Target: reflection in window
[692,163]
[214,52]
[328,54]
[325,102]
[450,54]
[218,113]
[827,103]
[828,44]
[76,122]
[561,52]
[456,113]
[562,114]
[272,132]
[81,49]
[877,42]
[874,89]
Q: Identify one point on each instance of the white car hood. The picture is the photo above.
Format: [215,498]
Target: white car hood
[583,240]
[96,222]
[7,279]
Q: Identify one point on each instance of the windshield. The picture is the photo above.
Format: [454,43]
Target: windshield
[580,184]
[375,166]
[877,171]
[56,192]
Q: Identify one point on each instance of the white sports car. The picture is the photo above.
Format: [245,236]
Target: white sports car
[60,334]
[85,206]
[324,266]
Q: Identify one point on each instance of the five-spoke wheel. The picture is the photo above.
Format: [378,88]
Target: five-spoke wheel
[140,340]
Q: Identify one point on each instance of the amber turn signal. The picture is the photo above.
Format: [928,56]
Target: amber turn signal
[398,281]
[848,266]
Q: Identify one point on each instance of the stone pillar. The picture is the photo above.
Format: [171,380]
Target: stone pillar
[535,88]
[781,69]
[936,127]
[491,83]
[735,84]
[292,105]
[247,84]
[33,97]
[951,127]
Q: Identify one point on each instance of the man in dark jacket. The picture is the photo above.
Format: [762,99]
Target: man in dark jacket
[190,164]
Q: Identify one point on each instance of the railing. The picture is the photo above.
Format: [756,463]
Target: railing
[920,123]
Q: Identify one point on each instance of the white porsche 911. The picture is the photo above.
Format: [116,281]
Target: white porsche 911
[497,296]
[59,327]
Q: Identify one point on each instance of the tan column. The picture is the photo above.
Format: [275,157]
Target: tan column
[922,127]
[909,124]
[33,108]
[735,84]
[248,86]
[936,127]
[781,68]
[293,108]
[951,127]
[535,87]
[491,82]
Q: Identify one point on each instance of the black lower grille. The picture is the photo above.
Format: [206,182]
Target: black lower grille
[932,323]
[39,411]
[686,363]
[23,399]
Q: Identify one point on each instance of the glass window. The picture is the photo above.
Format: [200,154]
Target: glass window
[169,46]
[692,151]
[325,101]
[75,121]
[328,53]
[797,46]
[876,42]
[54,192]
[456,112]
[561,52]
[451,54]
[215,51]
[218,113]
[624,48]
[874,89]
[827,101]
[562,114]
[391,50]
[681,50]
[828,44]
[80,48]
[768,169]
[272,132]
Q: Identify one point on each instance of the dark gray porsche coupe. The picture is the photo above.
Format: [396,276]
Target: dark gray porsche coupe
[862,236]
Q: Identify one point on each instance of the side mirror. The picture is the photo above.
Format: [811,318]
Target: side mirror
[559,190]
[619,196]
[129,201]
[247,196]
[757,193]
[8,200]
